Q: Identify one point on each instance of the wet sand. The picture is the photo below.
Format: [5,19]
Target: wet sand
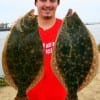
[91,92]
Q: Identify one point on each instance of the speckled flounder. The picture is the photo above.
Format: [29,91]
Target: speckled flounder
[23,55]
[75,56]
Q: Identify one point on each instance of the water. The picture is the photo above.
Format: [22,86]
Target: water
[94,29]
[3,35]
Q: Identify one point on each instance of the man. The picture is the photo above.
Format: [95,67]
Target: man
[49,87]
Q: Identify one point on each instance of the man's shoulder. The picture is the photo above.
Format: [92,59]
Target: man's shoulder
[59,21]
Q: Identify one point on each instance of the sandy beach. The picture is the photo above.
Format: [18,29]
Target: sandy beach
[91,92]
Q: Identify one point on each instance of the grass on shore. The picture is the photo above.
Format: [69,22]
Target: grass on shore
[3,82]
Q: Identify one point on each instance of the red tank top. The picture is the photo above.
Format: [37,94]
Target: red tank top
[48,88]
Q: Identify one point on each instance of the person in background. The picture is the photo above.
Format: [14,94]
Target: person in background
[49,87]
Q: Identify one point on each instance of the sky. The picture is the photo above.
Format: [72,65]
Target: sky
[88,10]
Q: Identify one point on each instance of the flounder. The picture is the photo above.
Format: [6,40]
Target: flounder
[75,56]
[23,55]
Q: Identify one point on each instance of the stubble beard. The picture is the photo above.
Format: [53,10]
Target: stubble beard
[47,17]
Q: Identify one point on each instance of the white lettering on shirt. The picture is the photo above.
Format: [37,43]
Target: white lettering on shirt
[48,47]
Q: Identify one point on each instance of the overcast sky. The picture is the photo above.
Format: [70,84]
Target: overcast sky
[88,10]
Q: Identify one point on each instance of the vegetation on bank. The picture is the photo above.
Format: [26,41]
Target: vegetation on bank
[99,47]
[3,82]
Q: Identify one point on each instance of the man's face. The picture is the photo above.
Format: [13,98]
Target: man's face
[46,8]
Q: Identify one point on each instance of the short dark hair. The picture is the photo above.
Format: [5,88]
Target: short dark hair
[58,1]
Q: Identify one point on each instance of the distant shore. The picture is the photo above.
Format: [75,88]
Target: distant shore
[4,29]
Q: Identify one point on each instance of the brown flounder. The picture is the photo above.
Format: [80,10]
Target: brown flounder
[75,56]
[23,55]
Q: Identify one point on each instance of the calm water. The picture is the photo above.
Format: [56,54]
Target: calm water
[94,29]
